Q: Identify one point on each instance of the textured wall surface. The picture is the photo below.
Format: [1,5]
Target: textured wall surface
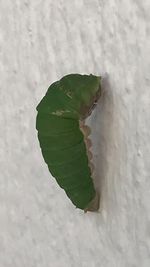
[40,41]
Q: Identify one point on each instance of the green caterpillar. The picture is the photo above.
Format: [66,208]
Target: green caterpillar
[66,103]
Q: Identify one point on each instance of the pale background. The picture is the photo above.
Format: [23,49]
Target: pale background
[40,41]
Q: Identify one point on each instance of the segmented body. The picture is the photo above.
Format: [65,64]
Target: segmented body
[63,137]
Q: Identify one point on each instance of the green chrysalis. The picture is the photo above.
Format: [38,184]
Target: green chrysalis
[66,103]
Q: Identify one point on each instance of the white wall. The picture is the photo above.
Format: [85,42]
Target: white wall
[40,41]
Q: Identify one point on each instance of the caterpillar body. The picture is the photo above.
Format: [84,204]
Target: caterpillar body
[63,136]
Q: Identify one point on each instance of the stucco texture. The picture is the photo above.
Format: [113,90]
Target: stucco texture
[40,41]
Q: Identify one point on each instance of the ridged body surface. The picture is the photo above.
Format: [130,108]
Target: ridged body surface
[61,140]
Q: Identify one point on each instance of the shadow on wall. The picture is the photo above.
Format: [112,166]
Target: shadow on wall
[102,138]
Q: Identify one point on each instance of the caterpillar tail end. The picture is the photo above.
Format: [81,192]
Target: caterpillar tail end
[94,204]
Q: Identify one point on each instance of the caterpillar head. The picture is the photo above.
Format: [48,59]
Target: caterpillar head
[84,90]
[86,109]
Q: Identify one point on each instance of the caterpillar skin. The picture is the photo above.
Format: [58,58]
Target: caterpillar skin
[62,135]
